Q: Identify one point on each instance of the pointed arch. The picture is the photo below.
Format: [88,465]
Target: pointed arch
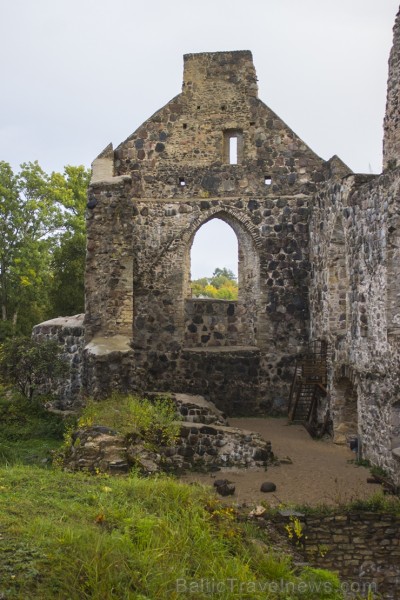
[237,220]
[239,319]
[248,254]
[215,244]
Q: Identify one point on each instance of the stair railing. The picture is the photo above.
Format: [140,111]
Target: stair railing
[310,369]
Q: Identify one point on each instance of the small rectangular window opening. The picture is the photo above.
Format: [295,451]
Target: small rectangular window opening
[267,179]
[184,126]
[233,146]
[233,150]
[182,181]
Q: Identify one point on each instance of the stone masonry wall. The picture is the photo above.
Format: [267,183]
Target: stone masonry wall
[363,547]
[391,142]
[215,323]
[354,224]
[68,332]
[355,294]
[230,377]
[109,273]
[169,178]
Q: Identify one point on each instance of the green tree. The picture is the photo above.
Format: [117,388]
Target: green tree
[68,260]
[198,286]
[67,294]
[28,217]
[221,285]
[224,273]
[38,212]
[69,190]
[224,279]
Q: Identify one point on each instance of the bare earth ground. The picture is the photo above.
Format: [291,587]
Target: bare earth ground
[321,471]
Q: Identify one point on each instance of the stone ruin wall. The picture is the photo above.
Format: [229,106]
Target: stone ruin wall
[313,239]
[356,277]
[391,141]
[212,324]
[147,200]
[362,547]
[68,333]
[355,294]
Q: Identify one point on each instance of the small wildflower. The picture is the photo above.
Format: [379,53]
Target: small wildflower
[100,518]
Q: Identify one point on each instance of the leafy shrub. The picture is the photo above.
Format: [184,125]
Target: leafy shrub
[27,364]
[28,432]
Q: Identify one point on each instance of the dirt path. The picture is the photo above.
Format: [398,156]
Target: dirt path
[321,472]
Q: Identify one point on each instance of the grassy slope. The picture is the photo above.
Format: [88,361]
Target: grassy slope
[74,536]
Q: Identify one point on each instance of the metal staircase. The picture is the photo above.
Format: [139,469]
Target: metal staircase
[308,385]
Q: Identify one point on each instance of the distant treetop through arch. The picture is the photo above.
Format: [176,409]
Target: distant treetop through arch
[215,246]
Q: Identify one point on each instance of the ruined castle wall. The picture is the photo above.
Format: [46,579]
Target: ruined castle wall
[362,547]
[216,323]
[109,274]
[68,333]
[169,178]
[271,313]
[355,280]
[319,257]
[391,141]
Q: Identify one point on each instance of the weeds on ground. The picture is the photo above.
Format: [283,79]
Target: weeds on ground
[375,470]
[81,537]
[75,536]
[379,503]
[28,432]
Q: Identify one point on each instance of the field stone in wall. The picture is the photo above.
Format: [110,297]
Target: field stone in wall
[68,333]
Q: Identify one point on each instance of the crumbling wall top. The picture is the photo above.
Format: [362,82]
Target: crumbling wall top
[391,140]
[233,69]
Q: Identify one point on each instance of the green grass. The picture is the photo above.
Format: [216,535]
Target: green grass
[379,503]
[28,433]
[72,536]
[155,421]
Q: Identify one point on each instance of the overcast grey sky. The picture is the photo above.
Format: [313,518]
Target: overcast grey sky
[78,74]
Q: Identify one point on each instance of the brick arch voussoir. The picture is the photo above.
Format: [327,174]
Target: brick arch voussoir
[230,216]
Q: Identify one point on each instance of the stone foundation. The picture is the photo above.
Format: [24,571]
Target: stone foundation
[228,377]
[203,444]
